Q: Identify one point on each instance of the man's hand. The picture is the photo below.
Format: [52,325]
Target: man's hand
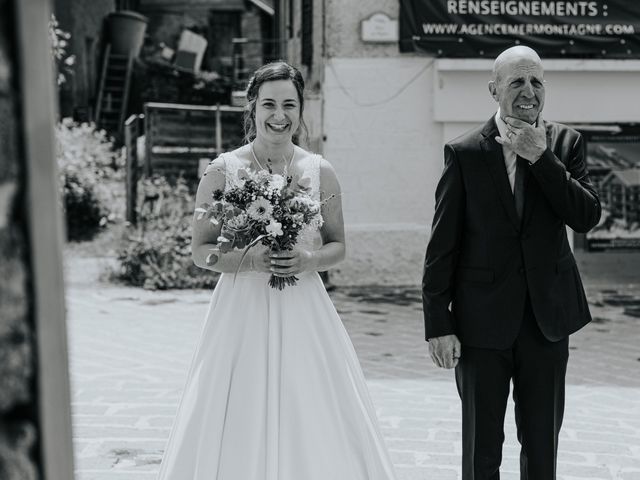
[445,351]
[526,140]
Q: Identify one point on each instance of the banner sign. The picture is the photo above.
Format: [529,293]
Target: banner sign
[555,29]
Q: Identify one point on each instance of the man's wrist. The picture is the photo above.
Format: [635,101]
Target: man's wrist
[536,157]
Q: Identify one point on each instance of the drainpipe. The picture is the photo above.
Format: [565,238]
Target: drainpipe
[280,30]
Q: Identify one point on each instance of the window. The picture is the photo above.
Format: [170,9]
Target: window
[613,160]
[224,26]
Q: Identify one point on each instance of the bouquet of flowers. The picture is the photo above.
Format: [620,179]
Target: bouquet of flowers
[263,208]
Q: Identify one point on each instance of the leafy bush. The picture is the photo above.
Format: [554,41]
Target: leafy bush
[156,253]
[91,178]
[59,40]
[84,212]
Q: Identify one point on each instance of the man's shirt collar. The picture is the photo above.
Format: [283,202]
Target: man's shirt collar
[502,127]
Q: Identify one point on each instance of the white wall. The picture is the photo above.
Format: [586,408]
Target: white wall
[577,91]
[388,156]
[381,138]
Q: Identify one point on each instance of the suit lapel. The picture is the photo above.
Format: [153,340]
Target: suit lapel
[494,159]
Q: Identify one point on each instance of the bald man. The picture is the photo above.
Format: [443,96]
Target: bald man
[501,290]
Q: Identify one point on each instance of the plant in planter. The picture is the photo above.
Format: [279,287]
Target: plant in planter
[91,178]
[156,253]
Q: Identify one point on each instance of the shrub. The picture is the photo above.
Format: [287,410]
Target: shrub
[59,40]
[156,253]
[84,212]
[91,178]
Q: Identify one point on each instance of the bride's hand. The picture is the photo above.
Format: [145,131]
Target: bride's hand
[260,261]
[291,262]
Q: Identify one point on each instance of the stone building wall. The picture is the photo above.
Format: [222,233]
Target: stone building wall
[343,28]
[18,417]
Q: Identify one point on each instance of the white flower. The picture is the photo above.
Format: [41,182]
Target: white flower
[301,203]
[298,218]
[274,229]
[239,222]
[260,209]
[276,182]
[201,212]
[316,222]
[262,176]
[303,200]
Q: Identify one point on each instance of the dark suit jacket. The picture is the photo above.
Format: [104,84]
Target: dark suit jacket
[481,260]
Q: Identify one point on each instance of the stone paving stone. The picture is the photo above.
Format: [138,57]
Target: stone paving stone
[118,475]
[408,473]
[130,350]
[632,474]
[107,420]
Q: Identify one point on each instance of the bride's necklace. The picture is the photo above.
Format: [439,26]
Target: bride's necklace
[287,165]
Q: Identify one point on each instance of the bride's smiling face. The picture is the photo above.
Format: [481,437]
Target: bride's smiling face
[277,111]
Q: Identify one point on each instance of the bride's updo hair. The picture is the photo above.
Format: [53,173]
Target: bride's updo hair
[271,72]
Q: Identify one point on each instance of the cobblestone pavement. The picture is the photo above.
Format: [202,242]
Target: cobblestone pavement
[130,350]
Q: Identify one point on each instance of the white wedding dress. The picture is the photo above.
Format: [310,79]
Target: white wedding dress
[275,390]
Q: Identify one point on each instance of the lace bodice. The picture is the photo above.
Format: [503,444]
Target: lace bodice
[308,237]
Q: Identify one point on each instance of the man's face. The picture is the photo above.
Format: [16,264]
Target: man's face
[519,88]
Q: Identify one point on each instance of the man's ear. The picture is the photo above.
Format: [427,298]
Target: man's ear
[493,90]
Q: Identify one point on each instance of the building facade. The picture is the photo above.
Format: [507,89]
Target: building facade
[621,192]
[388,114]
[84,21]
[379,113]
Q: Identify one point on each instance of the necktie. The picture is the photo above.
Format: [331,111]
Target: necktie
[518,186]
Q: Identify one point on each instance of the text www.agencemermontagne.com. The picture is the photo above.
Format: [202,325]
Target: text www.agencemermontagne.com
[574,29]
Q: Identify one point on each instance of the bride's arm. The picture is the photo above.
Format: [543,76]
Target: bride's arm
[205,234]
[285,264]
[332,231]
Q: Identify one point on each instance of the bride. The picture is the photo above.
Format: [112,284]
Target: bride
[275,390]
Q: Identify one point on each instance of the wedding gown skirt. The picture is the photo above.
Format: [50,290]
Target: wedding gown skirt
[275,392]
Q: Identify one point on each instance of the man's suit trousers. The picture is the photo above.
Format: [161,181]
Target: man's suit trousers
[537,367]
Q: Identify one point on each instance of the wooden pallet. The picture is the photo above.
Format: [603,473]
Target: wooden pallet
[178,136]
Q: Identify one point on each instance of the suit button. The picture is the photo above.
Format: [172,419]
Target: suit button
[520,270]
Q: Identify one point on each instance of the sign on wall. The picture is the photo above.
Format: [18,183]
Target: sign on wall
[379,28]
[555,29]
